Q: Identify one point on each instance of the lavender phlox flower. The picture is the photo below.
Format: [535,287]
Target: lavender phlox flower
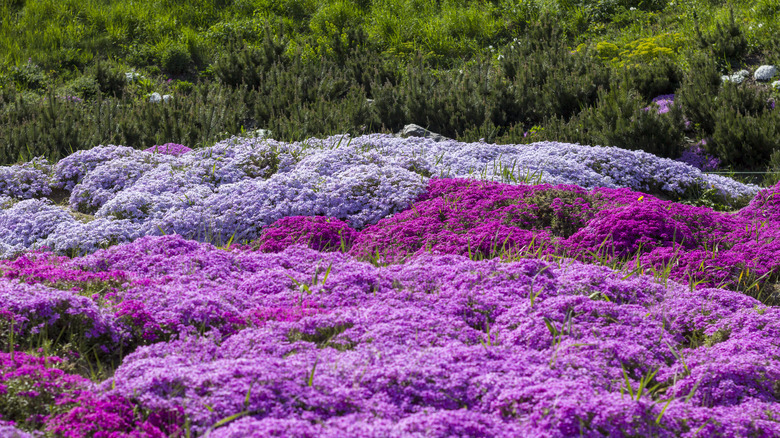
[167,177]
[6,201]
[237,159]
[83,238]
[26,180]
[169,148]
[442,343]
[698,157]
[28,222]
[7,429]
[103,182]
[663,103]
[34,306]
[70,170]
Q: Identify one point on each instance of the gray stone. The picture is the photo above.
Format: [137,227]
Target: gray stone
[413,130]
[765,73]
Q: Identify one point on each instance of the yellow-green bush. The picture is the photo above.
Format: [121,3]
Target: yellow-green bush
[642,50]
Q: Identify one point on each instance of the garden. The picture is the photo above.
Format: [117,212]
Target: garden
[211,225]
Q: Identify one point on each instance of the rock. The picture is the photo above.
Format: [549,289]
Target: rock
[418,131]
[765,73]
[155,97]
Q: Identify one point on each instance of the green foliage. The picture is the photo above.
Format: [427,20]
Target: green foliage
[110,78]
[620,119]
[533,78]
[502,70]
[773,177]
[28,76]
[54,127]
[767,9]
[85,87]
[603,11]
[710,198]
[559,211]
[727,41]
[245,65]
[736,116]
[698,92]
[653,79]
[176,59]
[745,140]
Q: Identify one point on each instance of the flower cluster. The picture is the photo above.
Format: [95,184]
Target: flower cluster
[169,148]
[29,222]
[29,385]
[483,219]
[240,186]
[70,170]
[663,102]
[27,180]
[316,232]
[441,343]
[697,157]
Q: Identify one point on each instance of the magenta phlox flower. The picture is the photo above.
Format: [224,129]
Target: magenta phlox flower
[317,232]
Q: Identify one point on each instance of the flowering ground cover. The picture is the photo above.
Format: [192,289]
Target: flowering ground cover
[382,287]
[240,186]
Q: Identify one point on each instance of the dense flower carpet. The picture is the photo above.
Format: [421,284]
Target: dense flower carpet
[385,287]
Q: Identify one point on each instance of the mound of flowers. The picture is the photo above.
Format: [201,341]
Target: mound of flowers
[305,343]
[695,245]
[235,189]
[385,287]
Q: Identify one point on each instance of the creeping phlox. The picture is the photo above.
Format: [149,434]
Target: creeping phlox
[385,287]
[239,186]
[307,343]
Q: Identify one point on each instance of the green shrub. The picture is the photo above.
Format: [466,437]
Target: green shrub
[620,119]
[727,42]
[176,59]
[735,116]
[767,9]
[604,11]
[85,87]
[182,87]
[745,141]
[654,79]
[28,76]
[110,78]
[244,64]
[773,175]
[341,14]
[698,91]
[56,127]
